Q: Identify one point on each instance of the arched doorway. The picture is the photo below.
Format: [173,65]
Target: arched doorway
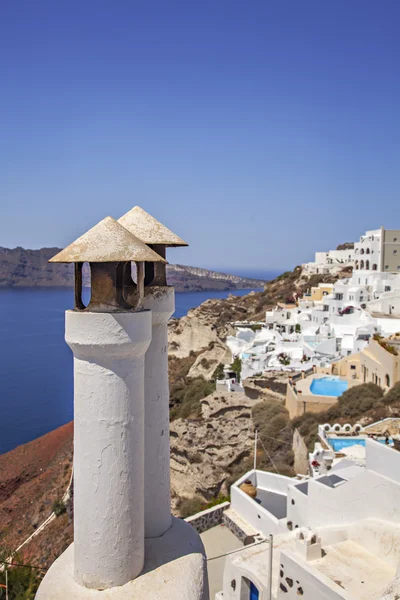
[248,590]
[254,593]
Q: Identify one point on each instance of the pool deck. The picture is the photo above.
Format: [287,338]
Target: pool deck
[303,385]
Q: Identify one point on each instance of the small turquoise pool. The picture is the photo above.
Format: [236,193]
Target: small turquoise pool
[339,443]
[328,386]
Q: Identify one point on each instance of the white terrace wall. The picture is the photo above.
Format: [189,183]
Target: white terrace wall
[373,493]
[382,459]
[297,506]
[253,513]
[298,580]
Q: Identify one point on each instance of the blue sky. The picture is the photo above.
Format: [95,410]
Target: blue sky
[260,131]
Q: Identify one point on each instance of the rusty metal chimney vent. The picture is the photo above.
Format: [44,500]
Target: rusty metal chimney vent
[156,235]
[109,249]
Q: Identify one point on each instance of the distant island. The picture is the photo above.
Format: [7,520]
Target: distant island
[30,268]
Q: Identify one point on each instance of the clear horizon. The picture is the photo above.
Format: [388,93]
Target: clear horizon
[260,134]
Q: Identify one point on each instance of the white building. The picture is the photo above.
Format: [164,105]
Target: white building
[335,536]
[332,262]
[378,250]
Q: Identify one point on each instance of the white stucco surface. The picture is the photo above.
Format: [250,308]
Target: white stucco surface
[108,444]
[175,569]
[161,302]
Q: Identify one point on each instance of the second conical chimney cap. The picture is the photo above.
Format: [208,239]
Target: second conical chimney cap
[108,241]
[148,229]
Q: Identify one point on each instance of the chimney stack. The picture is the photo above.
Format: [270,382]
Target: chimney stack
[160,299]
[126,544]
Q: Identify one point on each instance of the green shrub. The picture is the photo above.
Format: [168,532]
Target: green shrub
[359,399]
[187,395]
[58,508]
[393,395]
[307,426]
[236,366]
[190,506]
[218,373]
[220,499]
[262,412]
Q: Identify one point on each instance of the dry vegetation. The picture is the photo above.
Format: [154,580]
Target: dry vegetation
[186,392]
[365,403]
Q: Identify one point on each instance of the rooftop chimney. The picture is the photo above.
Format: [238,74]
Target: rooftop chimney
[160,299]
[122,430]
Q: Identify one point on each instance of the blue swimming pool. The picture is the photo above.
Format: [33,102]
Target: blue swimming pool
[339,443]
[328,386]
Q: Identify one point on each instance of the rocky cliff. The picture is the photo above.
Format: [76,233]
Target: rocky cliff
[30,268]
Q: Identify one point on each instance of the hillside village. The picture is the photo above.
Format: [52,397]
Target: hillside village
[285,417]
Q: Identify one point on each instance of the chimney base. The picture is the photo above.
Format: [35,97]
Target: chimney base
[175,569]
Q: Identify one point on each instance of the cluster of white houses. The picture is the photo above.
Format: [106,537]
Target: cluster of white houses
[377,250]
[332,320]
[336,525]
[336,532]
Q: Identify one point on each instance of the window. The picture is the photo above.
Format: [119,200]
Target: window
[394,251]
[387,288]
[387,380]
[395,239]
[386,267]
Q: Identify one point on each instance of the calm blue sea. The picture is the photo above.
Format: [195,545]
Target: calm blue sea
[36,387]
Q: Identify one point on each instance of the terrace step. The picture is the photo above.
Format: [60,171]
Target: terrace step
[238,526]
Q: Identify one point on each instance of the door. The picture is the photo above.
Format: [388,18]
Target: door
[254,593]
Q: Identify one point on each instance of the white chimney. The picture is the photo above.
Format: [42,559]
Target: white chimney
[160,299]
[115,409]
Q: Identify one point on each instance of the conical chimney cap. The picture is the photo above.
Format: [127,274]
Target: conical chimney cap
[148,229]
[108,241]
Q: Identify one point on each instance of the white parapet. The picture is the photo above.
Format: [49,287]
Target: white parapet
[161,301]
[109,353]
